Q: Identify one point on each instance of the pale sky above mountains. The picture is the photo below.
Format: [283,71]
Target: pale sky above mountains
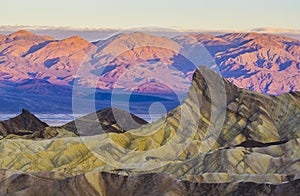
[188,14]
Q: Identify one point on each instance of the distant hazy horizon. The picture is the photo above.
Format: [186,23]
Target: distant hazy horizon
[93,34]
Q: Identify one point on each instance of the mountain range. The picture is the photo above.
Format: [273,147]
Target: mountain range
[139,62]
[222,140]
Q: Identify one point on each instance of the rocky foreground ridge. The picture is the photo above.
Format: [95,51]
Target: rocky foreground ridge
[222,140]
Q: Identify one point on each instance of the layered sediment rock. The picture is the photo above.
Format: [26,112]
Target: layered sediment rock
[221,141]
[148,184]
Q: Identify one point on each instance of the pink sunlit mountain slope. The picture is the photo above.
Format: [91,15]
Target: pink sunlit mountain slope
[145,63]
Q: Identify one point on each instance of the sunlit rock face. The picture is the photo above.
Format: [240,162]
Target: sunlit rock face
[263,63]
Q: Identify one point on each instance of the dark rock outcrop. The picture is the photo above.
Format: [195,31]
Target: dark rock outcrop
[148,184]
[105,121]
[23,124]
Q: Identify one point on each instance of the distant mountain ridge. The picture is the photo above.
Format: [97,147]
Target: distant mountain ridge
[259,62]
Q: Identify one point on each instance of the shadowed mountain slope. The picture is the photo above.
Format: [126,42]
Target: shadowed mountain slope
[149,184]
[104,121]
[25,123]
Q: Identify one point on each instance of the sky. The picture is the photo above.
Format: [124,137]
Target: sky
[183,14]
